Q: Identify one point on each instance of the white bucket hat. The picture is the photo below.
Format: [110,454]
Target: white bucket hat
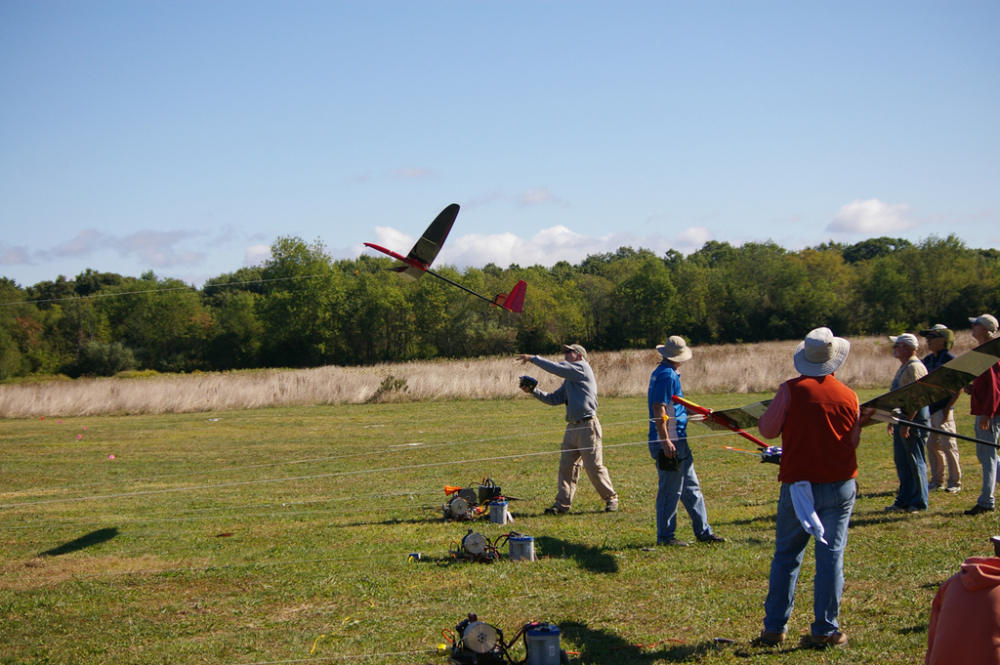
[821,353]
[675,349]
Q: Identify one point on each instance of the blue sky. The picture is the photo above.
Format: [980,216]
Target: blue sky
[184,137]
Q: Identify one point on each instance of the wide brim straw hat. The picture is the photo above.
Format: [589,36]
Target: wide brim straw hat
[675,349]
[820,353]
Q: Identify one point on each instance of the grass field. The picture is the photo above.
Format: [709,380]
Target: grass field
[282,535]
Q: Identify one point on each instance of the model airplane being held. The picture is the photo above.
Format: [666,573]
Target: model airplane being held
[419,260]
[736,421]
[944,382]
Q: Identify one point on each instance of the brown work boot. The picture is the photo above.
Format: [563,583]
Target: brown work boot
[767,639]
[837,639]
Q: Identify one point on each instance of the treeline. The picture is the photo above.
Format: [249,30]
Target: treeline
[302,309]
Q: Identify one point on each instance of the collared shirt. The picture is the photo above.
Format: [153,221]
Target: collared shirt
[985,397]
[664,383]
[578,392]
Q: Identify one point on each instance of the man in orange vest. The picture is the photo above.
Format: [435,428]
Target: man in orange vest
[818,421]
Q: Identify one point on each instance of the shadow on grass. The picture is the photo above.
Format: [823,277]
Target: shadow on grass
[83,542]
[594,559]
[393,520]
[600,646]
[877,495]
[770,518]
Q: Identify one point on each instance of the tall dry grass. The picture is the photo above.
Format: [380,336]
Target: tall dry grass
[725,368]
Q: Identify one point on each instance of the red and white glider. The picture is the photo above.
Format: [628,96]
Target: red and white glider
[419,260]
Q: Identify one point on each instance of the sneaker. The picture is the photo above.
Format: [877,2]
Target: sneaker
[933,486]
[978,510]
[712,538]
[673,542]
[955,489]
[556,510]
[767,639]
[838,639]
[611,506]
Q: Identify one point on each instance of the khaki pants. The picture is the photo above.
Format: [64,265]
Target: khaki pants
[581,446]
[943,450]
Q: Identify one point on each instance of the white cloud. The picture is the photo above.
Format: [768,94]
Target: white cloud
[256,255]
[86,242]
[390,238]
[537,196]
[693,239]
[871,217]
[154,248]
[547,247]
[14,256]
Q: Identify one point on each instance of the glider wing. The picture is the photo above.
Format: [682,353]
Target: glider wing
[430,243]
[732,420]
[940,384]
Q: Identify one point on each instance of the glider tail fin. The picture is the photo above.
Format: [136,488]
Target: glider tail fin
[513,301]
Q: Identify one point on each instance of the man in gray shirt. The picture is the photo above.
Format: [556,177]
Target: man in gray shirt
[581,444]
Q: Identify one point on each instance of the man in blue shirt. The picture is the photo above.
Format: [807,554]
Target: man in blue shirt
[942,451]
[668,445]
[581,444]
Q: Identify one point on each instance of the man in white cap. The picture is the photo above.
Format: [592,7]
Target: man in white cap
[908,450]
[582,442]
[984,395]
[942,450]
[818,421]
[669,447]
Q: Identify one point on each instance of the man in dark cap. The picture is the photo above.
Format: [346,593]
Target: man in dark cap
[581,444]
[942,450]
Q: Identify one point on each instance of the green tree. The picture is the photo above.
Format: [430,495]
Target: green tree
[303,297]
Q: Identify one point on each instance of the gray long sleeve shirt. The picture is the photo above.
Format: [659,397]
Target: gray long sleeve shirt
[578,392]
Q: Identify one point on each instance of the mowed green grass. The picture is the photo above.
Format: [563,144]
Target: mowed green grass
[282,535]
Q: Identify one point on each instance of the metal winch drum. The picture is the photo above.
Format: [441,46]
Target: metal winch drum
[474,543]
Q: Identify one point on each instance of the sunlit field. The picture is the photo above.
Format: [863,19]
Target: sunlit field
[728,368]
[256,535]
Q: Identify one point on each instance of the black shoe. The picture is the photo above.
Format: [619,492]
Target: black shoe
[712,538]
[556,510]
[673,542]
[978,510]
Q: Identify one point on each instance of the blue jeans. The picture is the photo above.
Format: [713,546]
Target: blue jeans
[911,467]
[988,458]
[681,485]
[833,503]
